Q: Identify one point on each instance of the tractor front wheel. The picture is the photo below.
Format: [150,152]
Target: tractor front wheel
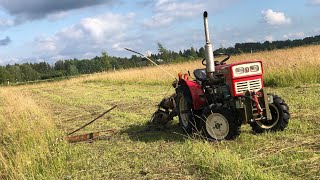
[280,117]
[220,123]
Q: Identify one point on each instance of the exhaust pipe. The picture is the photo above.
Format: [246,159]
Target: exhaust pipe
[208,48]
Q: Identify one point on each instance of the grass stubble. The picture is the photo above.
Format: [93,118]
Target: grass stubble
[35,118]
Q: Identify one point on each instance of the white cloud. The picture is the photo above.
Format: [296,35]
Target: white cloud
[9,60]
[162,2]
[316,31]
[250,40]
[89,36]
[117,46]
[57,16]
[6,22]
[168,11]
[297,35]
[314,2]
[99,27]
[47,44]
[275,18]
[269,38]
[148,53]
[89,55]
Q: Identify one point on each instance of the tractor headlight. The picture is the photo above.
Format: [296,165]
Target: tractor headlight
[254,68]
[247,69]
[239,70]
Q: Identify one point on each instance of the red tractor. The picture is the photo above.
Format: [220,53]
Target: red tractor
[222,97]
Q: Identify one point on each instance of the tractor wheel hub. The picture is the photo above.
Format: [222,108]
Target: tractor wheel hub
[217,126]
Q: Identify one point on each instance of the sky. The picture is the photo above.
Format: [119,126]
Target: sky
[45,30]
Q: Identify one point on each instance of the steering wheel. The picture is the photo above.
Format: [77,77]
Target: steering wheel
[218,54]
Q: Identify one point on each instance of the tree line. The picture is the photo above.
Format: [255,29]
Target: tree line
[269,46]
[42,70]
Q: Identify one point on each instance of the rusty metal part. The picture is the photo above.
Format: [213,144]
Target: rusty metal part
[93,120]
[83,137]
[168,103]
[160,117]
[165,112]
[90,137]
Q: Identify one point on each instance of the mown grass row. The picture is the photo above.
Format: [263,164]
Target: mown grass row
[157,154]
[171,153]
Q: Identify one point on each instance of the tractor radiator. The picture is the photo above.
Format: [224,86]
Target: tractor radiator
[251,85]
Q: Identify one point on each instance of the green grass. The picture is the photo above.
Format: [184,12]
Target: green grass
[34,119]
[293,77]
[293,153]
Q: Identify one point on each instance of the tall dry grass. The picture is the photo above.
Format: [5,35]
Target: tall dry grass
[28,145]
[289,66]
[282,68]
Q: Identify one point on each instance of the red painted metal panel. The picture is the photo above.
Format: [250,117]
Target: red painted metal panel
[234,81]
[231,80]
[197,94]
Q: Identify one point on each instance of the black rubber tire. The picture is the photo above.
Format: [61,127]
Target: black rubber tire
[190,123]
[229,115]
[278,105]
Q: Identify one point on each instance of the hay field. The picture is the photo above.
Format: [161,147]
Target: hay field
[282,68]
[35,118]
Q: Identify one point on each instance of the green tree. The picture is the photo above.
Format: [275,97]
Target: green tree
[59,65]
[164,53]
[202,53]
[15,73]
[29,72]
[105,61]
[72,70]
[4,74]
[193,53]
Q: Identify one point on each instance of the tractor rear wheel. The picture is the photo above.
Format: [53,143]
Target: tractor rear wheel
[280,117]
[185,110]
[220,123]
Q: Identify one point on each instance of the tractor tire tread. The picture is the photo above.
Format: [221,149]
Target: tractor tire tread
[185,92]
[284,117]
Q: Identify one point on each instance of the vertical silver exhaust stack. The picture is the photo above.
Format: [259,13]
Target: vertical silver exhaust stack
[208,48]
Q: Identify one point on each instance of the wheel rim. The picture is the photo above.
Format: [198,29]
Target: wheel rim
[184,111]
[267,124]
[217,126]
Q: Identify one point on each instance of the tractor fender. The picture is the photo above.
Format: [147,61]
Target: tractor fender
[197,94]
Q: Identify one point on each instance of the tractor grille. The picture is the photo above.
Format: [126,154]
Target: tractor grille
[252,85]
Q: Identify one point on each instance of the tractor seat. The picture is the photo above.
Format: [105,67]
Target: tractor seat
[200,74]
